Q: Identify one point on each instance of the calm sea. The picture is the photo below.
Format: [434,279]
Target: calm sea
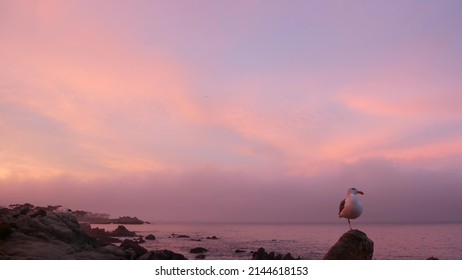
[309,241]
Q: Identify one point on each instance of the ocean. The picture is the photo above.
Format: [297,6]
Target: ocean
[309,241]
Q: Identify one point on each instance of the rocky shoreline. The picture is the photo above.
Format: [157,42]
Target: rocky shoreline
[55,233]
[28,232]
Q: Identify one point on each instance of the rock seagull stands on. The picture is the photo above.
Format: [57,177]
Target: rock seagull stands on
[351,207]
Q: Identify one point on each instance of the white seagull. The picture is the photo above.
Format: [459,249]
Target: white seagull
[351,207]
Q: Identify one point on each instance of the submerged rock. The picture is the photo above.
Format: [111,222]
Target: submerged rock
[198,250]
[352,245]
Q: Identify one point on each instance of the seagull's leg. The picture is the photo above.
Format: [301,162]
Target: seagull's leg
[349,224]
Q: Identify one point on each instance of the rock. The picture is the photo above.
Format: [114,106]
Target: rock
[162,255]
[5,230]
[352,245]
[174,235]
[200,257]
[128,244]
[122,231]
[433,258]
[213,237]
[261,254]
[150,237]
[238,251]
[198,250]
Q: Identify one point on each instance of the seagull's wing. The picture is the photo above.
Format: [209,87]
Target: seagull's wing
[341,206]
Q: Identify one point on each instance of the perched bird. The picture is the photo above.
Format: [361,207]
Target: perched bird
[351,207]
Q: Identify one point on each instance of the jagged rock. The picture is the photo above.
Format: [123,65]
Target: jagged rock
[352,245]
[261,254]
[198,250]
[128,244]
[162,255]
[213,237]
[433,258]
[122,231]
[150,237]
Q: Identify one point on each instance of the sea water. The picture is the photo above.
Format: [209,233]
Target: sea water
[309,241]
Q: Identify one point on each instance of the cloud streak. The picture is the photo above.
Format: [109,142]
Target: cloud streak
[222,105]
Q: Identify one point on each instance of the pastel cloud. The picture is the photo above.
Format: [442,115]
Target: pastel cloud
[273,95]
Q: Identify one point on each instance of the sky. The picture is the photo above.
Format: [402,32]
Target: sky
[233,111]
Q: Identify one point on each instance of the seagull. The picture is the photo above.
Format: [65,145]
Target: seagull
[351,207]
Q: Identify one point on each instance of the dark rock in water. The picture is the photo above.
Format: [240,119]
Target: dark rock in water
[198,250]
[213,237]
[162,255]
[139,240]
[238,251]
[150,237]
[192,239]
[200,257]
[352,245]
[122,231]
[261,254]
[174,235]
[433,258]
[133,245]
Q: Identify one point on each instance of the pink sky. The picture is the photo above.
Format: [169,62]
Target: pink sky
[253,111]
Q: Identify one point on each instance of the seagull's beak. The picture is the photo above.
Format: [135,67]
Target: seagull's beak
[360,192]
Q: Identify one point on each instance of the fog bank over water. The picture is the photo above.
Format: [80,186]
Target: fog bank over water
[393,193]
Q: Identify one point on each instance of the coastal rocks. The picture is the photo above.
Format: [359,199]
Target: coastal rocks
[150,237]
[213,237]
[162,255]
[122,231]
[261,254]
[352,245]
[133,246]
[198,250]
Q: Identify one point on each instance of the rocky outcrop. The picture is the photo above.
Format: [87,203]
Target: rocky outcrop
[122,231]
[150,237]
[261,254]
[352,245]
[134,249]
[28,232]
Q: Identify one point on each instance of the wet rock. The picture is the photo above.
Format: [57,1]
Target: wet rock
[200,257]
[352,245]
[122,231]
[212,237]
[162,255]
[198,250]
[150,237]
[128,244]
[238,251]
[261,254]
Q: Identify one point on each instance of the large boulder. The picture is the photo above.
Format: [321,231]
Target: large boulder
[352,245]
[130,245]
